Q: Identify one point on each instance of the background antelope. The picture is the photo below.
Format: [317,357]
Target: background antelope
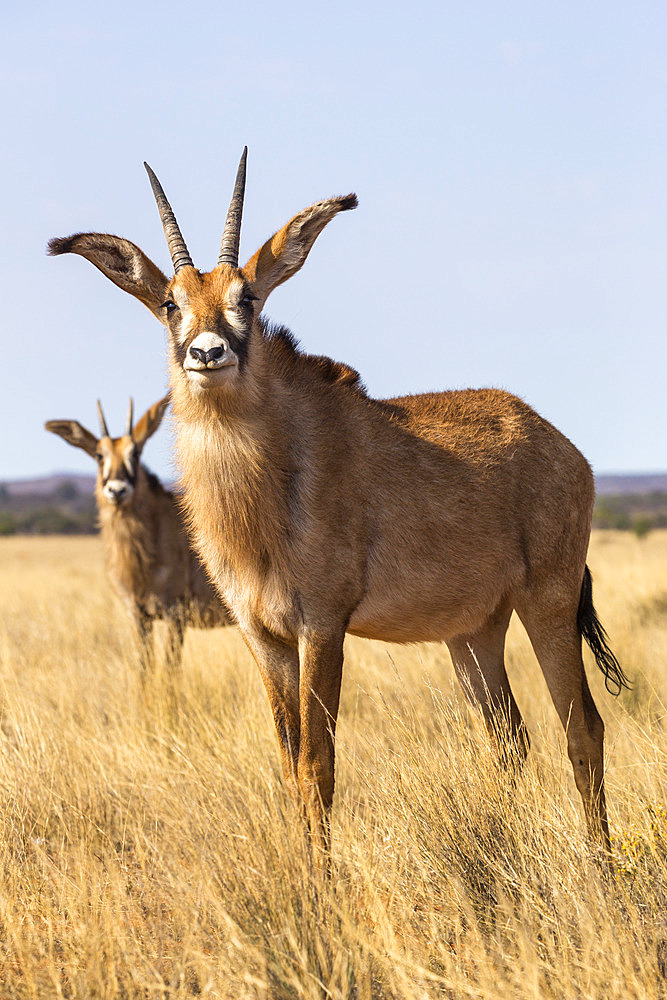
[318,511]
[149,560]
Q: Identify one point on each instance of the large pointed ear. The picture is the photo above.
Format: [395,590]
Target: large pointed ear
[122,262]
[149,423]
[74,434]
[286,251]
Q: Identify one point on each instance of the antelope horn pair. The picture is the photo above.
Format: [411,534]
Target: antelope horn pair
[103,424]
[231,237]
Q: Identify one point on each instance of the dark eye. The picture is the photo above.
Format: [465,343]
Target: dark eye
[169,306]
[247,299]
[99,456]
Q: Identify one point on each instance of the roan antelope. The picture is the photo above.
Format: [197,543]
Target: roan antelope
[319,511]
[149,560]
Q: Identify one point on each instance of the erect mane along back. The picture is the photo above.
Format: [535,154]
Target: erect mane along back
[289,357]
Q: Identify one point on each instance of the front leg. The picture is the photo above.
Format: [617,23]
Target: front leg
[278,664]
[321,659]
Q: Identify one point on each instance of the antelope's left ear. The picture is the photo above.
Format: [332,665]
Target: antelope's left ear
[284,254]
[149,423]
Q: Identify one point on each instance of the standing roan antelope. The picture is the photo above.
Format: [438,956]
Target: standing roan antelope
[149,560]
[318,511]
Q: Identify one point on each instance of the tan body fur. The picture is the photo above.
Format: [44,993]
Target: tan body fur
[411,565]
[318,511]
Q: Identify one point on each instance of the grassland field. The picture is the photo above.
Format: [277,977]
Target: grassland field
[148,847]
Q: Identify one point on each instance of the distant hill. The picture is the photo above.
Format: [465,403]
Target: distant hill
[64,503]
[637,483]
[47,485]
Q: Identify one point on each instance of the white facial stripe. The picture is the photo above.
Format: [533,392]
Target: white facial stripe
[234,293]
[232,312]
[236,320]
[181,299]
[127,458]
[187,319]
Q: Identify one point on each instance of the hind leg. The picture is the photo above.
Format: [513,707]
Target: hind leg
[551,623]
[479,662]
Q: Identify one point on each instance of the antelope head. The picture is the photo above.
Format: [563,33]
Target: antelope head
[211,317]
[118,459]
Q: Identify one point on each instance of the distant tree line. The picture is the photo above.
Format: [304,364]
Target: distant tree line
[638,512]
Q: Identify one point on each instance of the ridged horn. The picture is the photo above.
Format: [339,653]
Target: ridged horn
[177,248]
[231,237]
[130,414]
[103,424]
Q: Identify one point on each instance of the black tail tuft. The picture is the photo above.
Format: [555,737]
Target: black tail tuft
[59,244]
[347,202]
[592,631]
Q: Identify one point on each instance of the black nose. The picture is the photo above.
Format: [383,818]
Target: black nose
[117,491]
[206,356]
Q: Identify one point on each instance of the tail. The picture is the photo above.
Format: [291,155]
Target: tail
[592,631]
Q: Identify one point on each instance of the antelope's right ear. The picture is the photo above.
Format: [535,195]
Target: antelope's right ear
[74,434]
[122,262]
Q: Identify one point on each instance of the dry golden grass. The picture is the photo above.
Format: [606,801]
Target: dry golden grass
[148,848]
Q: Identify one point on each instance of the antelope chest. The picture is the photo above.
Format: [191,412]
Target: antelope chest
[241,526]
[257,596]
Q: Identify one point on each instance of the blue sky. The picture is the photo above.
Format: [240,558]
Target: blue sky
[510,163]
